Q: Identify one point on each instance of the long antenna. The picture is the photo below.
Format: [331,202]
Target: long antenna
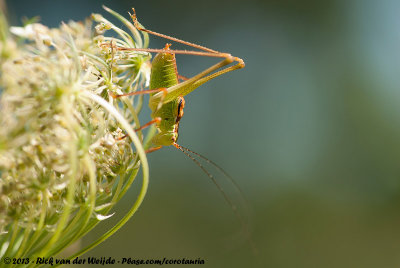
[226,174]
[234,208]
[227,199]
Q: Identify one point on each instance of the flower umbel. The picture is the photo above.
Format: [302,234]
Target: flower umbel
[63,163]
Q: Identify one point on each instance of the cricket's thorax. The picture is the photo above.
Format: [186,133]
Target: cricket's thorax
[163,75]
[170,114]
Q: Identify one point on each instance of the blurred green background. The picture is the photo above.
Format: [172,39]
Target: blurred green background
[309,129]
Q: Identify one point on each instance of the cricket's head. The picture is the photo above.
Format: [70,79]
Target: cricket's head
[165,138]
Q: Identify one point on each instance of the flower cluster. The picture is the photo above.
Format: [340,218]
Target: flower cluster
[63,161]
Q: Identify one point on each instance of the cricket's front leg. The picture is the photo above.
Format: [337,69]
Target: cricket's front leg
[153,149]
[156,120]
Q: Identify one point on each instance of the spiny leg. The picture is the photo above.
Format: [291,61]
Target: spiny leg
[191,84]
[177,51]
[137,25]
[211,52]
[227,59]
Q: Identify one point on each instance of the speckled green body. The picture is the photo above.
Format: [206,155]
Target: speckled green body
[163,75]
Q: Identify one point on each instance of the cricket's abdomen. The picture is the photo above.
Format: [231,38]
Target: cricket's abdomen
[163,71]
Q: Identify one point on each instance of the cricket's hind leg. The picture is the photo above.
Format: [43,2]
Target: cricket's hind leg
[137,25]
